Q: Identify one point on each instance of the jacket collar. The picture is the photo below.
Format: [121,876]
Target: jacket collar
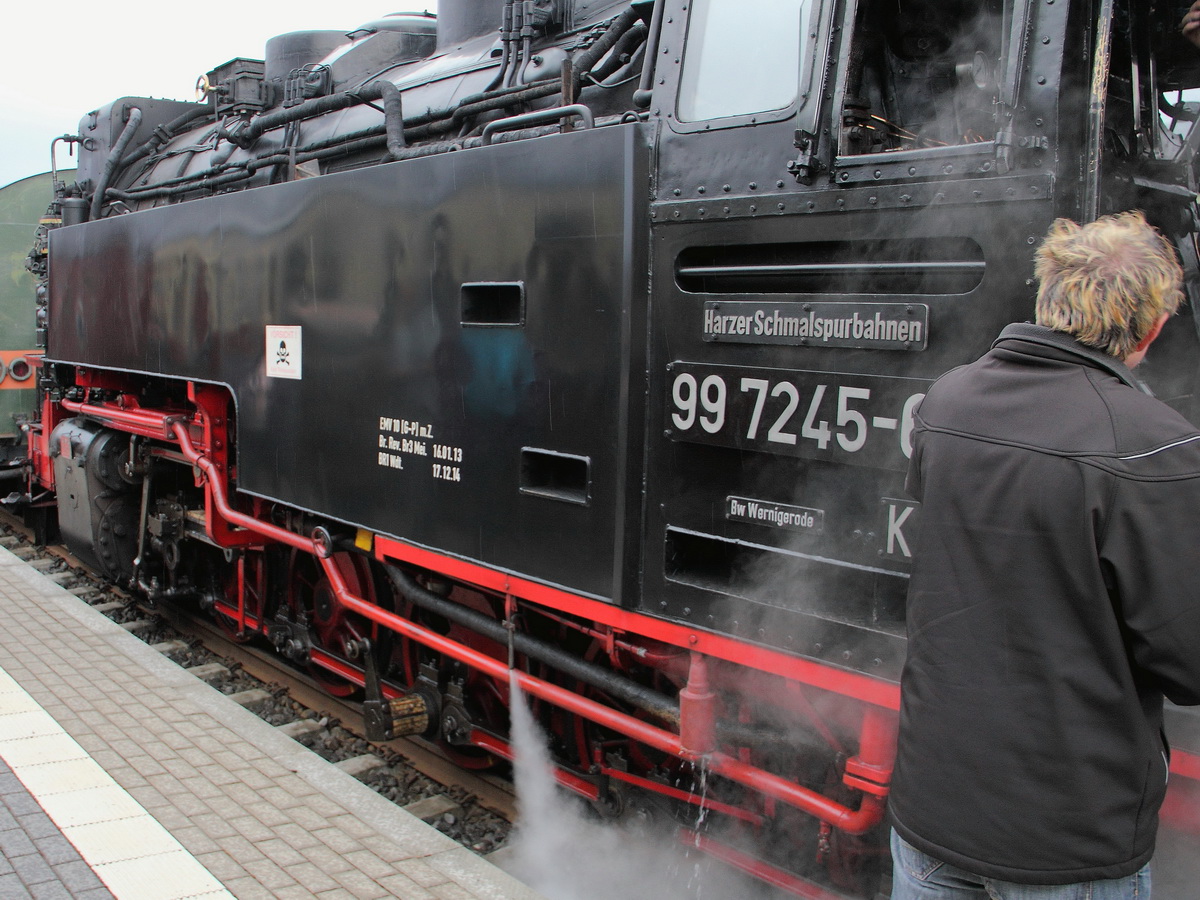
[1060,340]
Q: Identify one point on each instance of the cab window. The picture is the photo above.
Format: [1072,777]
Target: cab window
[742,57]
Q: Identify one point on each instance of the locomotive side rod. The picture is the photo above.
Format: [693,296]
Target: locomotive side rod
[878,730]
[859,821]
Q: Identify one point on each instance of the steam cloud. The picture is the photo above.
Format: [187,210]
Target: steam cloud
[559,850]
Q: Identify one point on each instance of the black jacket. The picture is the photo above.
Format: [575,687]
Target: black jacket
[1055,598]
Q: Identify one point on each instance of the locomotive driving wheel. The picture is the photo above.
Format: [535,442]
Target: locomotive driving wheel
[485,700]
[331,628]
[591,742]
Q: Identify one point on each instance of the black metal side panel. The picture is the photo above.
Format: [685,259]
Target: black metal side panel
[447,349]
[790,351]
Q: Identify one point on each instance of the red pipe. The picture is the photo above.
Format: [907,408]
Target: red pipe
[871,769]
[344,670]
[147,424]
[243,619]
[763,871]
[503,749]
[241,595]
[859,821]
[231,515]
[708,803]
[698,710]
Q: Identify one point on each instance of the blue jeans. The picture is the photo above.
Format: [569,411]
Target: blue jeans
[918,876]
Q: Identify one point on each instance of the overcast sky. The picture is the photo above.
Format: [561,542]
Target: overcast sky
[66,58]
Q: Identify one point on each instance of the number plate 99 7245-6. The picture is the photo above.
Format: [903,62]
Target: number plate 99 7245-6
[864,420]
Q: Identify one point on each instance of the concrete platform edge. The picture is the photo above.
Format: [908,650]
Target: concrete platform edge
[434,848]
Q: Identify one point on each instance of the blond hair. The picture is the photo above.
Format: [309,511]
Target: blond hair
[1108,282]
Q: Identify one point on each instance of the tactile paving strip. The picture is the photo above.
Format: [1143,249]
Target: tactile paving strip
[126,847]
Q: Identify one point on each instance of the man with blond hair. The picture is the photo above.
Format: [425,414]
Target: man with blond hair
[1054,598]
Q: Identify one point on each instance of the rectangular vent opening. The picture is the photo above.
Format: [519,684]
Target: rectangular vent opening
[774,576]
[555,476]
[702,560]
[888,267]
[493,303]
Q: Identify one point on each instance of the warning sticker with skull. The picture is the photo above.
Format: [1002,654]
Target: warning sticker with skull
[283,351]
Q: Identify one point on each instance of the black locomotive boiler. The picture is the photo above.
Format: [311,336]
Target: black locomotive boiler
[583,338]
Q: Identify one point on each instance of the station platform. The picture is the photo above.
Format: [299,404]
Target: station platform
[121,775]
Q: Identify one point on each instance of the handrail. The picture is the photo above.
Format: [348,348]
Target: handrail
[538,118]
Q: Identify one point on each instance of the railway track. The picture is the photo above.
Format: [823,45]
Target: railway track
[475,808]
[490,791]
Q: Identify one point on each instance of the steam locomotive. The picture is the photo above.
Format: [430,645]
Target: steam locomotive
[582,338]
